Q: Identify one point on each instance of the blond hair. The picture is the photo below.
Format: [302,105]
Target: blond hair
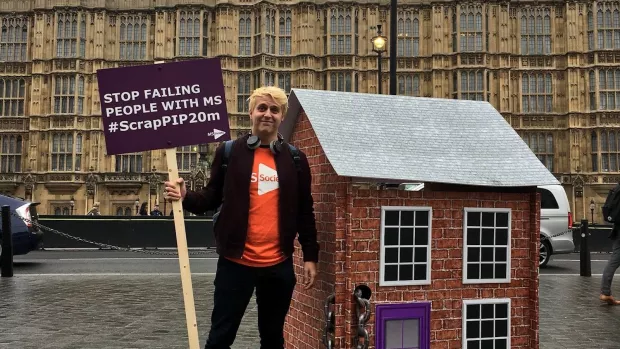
[278,95]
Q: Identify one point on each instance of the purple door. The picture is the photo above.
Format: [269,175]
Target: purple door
[403,325]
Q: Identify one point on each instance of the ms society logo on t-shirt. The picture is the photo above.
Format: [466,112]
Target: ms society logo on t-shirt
[267,179]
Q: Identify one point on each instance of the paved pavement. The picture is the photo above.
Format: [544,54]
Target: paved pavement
[104,312]
[571,316]
[104,300]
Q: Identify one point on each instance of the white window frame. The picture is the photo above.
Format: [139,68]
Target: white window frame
[426,281]
[508,246]
[467,302]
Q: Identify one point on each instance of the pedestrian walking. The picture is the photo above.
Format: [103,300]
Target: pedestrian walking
[610,269]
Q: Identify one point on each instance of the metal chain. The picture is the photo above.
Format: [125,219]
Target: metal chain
[328,334]
[102,245]
[363,313]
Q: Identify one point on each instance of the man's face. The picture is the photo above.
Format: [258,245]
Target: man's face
[266,116]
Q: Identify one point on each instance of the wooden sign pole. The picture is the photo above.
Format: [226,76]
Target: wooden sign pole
[186,275]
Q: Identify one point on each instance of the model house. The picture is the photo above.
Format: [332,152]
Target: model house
[428,221]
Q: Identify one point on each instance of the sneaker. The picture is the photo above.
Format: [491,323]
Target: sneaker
[609,300]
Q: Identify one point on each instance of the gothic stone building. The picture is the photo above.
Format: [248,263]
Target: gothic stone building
[549,67]
[454,265]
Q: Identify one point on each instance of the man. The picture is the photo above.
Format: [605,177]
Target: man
[266,202]
[610,269]
[156,211]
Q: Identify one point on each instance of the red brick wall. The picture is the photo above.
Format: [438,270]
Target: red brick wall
[306,320]
[534,257]
[348,221]
[446,290]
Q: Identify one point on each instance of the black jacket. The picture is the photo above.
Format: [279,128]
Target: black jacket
[295,201]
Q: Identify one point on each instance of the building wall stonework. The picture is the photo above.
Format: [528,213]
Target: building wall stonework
[549,67]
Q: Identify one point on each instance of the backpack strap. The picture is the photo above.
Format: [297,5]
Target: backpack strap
[227,150]
[296,157]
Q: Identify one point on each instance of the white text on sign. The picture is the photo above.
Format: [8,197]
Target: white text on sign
[168,120]
[153,107]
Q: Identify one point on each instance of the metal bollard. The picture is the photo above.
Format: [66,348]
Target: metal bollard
[585,264]
[6,258]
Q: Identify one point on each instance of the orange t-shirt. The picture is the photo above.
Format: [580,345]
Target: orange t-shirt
[262,246]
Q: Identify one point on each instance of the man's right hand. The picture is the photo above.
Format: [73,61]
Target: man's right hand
[172,193]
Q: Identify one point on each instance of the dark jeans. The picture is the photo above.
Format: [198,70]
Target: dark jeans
[234,285]
[611,267]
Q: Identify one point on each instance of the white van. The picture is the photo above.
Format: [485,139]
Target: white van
[556,222]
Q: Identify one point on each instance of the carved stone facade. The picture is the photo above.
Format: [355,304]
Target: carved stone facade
[551,68]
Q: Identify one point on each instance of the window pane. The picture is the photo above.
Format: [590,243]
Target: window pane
[411,333]
[393,334]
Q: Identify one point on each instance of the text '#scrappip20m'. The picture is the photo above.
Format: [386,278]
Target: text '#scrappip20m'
[164,121]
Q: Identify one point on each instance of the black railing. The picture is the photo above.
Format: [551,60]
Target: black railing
[598,238]
[126,231]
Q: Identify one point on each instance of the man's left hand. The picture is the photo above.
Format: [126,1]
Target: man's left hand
[309,274]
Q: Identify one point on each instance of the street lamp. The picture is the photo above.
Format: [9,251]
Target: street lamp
[592,209]
[72,203]
[378,46]
[394,39]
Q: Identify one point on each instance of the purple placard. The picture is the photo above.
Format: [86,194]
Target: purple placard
[161,106]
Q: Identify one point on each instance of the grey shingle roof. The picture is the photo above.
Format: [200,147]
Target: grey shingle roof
[409,139]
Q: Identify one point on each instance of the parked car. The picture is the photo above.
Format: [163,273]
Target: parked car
[556,222]
[26,236]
